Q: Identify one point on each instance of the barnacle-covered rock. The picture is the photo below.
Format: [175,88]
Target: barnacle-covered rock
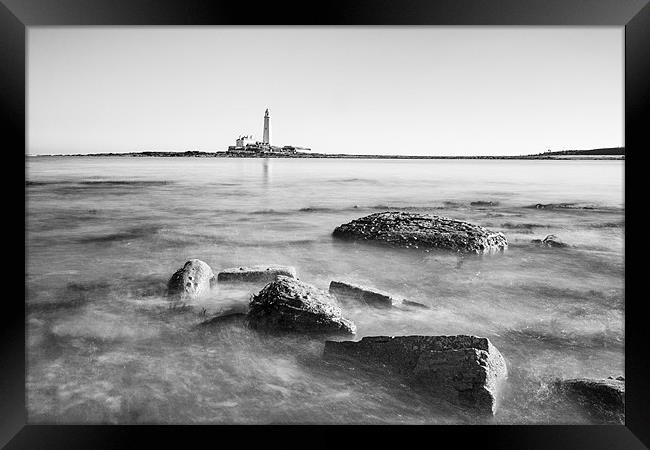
[292,305]
[412,230]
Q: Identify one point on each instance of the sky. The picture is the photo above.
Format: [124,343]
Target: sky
[358,90]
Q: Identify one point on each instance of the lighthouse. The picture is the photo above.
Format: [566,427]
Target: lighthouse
[265,138]
[242,148]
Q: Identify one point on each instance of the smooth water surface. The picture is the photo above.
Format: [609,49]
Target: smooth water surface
[105,234]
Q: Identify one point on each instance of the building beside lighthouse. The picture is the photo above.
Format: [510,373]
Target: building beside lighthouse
[244,145]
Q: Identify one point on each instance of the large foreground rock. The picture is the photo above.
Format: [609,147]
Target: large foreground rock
[191,281]
[605,397]
[422,231]
[291,305]
[255,273]
[464,370]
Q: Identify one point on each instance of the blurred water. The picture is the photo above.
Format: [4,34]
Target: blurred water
[105,234]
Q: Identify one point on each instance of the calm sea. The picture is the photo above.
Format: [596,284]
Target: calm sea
[105,234]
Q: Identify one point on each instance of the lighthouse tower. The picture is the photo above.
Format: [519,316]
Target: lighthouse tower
[265,138]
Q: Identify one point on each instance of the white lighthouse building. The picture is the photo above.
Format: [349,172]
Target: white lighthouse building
[265,138]
[264,148]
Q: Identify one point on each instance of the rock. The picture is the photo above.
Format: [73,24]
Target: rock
[368,296]
[463,370]
[344,291]
[559,206]
[603,397]
[550,240]
[412,230]
[410,303]
[484,203]
[255,273]
[191,281]
[291,305]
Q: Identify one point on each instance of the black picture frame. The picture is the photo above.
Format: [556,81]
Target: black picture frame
[17,15]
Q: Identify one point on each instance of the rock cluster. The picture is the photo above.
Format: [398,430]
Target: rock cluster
[291,305]
[255,273]
[411,230]
[191,281]
[464,370]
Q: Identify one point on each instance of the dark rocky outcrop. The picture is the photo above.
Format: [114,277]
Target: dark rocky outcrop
[602,397]
[559,206]
[550,240]
[463,370]
[255,273]
[484,203]
[368,296]
[412,230]
[412,304]
[291,305]
[191,281]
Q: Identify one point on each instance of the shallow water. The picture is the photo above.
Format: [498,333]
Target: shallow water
[105,234]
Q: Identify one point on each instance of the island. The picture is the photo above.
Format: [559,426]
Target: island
[613,153]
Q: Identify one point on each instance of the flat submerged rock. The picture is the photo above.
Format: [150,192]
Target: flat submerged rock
[411,230]
[255,273]
[345,291]
[463,370]
[351,292]
[288,304]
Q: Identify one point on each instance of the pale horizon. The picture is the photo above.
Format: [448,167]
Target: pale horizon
[434,91]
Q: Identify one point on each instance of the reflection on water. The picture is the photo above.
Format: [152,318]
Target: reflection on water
[266,166]
[104,235]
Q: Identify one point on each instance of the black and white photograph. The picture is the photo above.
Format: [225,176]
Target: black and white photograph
[419,225]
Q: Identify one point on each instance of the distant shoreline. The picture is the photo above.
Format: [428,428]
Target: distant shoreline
[572,155]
